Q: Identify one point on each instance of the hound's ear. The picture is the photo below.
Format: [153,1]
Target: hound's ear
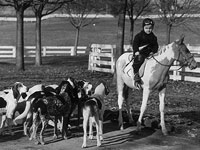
[180,41]
[15,90]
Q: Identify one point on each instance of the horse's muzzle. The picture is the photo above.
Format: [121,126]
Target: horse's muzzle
[193,65]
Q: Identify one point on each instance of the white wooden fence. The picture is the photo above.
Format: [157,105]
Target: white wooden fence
[29,51]
[101,59]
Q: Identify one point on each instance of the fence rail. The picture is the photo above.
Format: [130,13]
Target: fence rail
[101,58]
[29,51]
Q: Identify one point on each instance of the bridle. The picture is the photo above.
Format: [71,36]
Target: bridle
[187,60]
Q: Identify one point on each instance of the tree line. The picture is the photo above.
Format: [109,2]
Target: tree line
[171,12]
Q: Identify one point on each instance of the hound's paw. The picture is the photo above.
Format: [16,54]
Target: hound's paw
[90,137]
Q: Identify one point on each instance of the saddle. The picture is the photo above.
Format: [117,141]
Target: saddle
[128,69]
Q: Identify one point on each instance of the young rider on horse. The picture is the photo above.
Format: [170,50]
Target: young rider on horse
[148,41]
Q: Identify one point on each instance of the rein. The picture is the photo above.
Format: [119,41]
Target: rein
[167,65]
[184,64]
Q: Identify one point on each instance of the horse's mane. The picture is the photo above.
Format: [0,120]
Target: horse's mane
[162,49]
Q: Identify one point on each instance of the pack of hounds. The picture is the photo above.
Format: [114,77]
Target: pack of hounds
[54,105]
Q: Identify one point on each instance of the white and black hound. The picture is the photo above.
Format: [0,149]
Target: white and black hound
[60,105]
[93,111]
[11,97]
[37,91]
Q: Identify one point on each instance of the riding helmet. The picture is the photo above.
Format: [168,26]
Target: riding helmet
[147,21]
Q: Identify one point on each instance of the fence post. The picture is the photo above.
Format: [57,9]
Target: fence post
[44,50]
[14,51]
[112,59]
[72,51]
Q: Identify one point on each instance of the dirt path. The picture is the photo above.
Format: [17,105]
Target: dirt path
[114,139]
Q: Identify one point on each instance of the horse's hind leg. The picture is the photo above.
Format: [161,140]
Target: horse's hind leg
[126,94]
[120,103]
[145,97]
[162,106]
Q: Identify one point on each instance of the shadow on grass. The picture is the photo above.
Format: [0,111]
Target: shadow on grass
[6,138]
[131,136]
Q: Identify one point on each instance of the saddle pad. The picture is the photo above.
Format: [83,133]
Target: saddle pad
[128,69]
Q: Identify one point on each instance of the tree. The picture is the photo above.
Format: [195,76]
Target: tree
[20,6]
[118,9]
[174,12]
[78,11]
[42,8]
[136,8]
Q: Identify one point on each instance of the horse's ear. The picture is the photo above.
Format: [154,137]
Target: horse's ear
[180,41]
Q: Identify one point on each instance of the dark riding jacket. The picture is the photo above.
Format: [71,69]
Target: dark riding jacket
[142,39]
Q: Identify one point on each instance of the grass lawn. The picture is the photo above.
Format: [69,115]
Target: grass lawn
[59,32]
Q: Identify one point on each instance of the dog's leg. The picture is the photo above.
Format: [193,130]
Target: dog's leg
[55,136]
[9,122]
[3,121]
[44,124]
[34,127]
[101,127]
[97,130]
[26,123]
[91,128]
[64,127]
[85,121]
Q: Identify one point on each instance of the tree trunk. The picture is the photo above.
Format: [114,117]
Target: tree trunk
[76,42]
[169,28]
[20,40]
[120,36]
[120,39]
[38,50]
[132,31]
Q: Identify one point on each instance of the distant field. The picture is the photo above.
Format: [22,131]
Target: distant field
[59,32]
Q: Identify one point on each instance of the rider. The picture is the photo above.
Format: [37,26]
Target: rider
[148,41]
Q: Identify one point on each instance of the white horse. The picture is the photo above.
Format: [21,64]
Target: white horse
[154,77]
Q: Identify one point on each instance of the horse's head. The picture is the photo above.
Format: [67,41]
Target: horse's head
[184,55]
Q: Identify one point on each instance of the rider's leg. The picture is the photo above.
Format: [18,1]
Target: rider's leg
[139,59]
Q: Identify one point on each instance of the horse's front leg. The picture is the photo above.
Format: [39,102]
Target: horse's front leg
[162,107]
[120,103]
[145,97]
[129,111]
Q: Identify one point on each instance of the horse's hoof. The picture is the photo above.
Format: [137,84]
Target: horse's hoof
[55,137]
[99,144]
[101,138]
[65,137]
[83,146]
[165,133]
[122,127]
